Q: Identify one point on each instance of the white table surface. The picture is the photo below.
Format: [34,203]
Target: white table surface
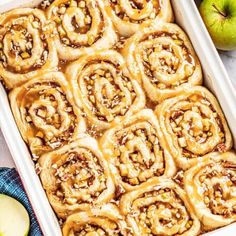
[229,59]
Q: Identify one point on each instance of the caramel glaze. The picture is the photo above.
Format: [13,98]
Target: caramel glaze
[97,134]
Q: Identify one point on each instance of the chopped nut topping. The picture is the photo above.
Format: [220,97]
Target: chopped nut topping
[38,168]
[221,147]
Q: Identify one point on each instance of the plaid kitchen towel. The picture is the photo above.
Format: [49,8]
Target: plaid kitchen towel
[10,184]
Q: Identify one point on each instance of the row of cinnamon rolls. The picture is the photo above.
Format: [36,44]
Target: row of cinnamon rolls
[102,88]
[161,207]
[92,198]
[132,167]
[108,97]
[49,115]
[35,41]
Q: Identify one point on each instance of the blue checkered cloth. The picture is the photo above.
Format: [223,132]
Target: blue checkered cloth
[10,184]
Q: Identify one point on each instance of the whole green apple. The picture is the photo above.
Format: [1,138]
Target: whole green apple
[220,19]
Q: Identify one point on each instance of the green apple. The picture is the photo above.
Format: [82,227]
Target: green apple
[220,19]
[14,219]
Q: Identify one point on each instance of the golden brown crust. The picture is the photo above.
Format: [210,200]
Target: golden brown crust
[193,125]
[211,186]
[134,151]
[104,89]
[76,177]
[129,16]
[106,220]
[83,27]
[159,208]
[163,60]
[45,113]
[26,48]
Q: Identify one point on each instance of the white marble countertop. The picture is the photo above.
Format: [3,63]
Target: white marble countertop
[5,156]
[229,59]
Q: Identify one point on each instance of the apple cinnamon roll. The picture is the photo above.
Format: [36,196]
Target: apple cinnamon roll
[128,16]
[211,187]
[26,46]
[159,208]
[82,27]
[134,151]
[193,125]
[76,177]
[104,221]
[103,88]
[45,113]
[162,58]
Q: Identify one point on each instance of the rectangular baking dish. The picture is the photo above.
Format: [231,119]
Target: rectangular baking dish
[216,79]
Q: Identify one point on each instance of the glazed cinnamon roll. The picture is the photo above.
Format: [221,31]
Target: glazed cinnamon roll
[162,58]
[45,113]
[159,208]
[76,177]
[134,151]
[129,16]
[103,88]
[193,125]
[26,46]
[211,187]
[82,26]
[104,221]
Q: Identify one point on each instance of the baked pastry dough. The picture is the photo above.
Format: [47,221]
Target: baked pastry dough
[78,72]
[102,87]
[159,208]
[211,188]
[193,125]
[45,113]
[76,177]
[26,46]
[104,221]
[134,151]
[129,16]
[161,57]
[82,26]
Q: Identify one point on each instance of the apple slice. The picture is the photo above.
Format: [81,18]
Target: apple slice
[14,219]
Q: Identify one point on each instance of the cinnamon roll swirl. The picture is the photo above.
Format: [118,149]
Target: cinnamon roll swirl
[76,177]
[45,113]
[162,58]
[129,16]
[211,188]
[82,26]
[159,208]
[193,125]
[103,88]
[104,221]
[134,151]
[26,46]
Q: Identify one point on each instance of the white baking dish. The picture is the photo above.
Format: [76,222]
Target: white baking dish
[216,79]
